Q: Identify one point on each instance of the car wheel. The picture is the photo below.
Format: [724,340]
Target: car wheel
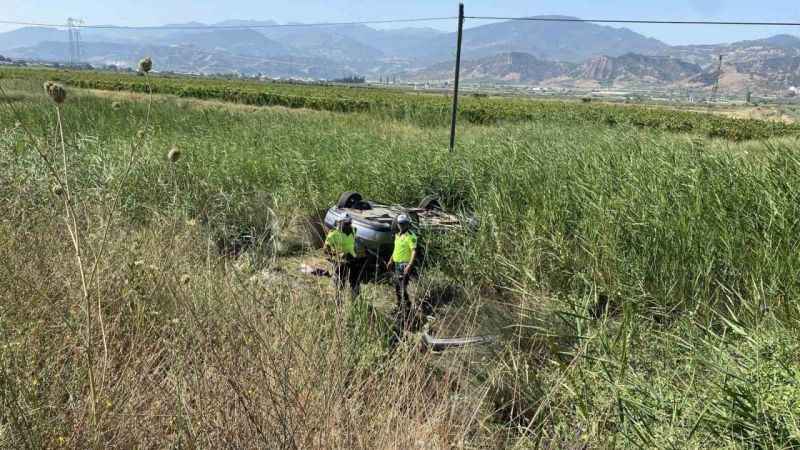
[349,200]
[430,203]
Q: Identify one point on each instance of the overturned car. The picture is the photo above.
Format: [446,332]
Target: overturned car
[376,223]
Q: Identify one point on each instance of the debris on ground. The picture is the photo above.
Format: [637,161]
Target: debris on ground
[441,344]
[314,271]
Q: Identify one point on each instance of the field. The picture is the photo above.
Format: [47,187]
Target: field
[642,277]
[421,109]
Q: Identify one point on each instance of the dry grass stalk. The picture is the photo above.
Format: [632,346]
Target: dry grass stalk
[59,95]
[56,92]
[62,189]
[145,65]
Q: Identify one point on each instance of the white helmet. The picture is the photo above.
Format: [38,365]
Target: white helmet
[403,219]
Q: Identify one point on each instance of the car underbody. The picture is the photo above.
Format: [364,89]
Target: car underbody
[376,223]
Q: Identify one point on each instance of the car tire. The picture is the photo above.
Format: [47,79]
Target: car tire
[349,200]
[430,203]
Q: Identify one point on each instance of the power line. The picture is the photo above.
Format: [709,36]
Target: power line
[639,21]
[228,27]
[391,21]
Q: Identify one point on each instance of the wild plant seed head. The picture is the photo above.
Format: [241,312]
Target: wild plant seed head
[145,65]
[55,91]
[174,155]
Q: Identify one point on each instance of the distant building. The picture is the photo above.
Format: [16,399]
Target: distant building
[793,91]
[353,79]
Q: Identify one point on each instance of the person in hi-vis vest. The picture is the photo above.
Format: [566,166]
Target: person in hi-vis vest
[340,246]
[402,261]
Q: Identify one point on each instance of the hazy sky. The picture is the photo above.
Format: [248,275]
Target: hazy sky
[156,12]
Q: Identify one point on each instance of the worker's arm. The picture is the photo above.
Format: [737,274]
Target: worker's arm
[407,271]
[390,264]
[356,244]
[327,248]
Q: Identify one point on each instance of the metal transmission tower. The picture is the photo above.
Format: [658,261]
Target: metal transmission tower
[715,90]
[75,50]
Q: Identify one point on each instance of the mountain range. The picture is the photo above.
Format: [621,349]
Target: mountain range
[521,52]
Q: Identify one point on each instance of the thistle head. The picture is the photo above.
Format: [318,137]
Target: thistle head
[174,155]
[55,91]
[145,65]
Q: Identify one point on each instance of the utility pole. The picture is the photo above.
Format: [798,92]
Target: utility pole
[458,76]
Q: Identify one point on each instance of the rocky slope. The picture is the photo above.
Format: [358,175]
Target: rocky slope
[510,67]
[633,68]
[522,68]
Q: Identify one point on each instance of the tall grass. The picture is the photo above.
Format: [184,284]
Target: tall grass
[644,283]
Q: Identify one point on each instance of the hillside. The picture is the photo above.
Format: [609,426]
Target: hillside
[508,67]
[402,43]
[765,64]
[528,52]
[521,68]
[30,36]
[190,59]
[778,73]
[571,42]
[737,52]
[637,69]
[234,42]
[330,45]
[568,42]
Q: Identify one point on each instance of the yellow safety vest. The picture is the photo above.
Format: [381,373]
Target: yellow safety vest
[342,244]
[404,246]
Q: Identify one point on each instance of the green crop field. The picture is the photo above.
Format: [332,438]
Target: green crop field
[422,109]
[639,266]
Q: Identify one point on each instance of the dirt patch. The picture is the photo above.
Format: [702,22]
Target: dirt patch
[765,113]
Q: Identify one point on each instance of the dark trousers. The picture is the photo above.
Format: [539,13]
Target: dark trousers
[403,310]
[347,272]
